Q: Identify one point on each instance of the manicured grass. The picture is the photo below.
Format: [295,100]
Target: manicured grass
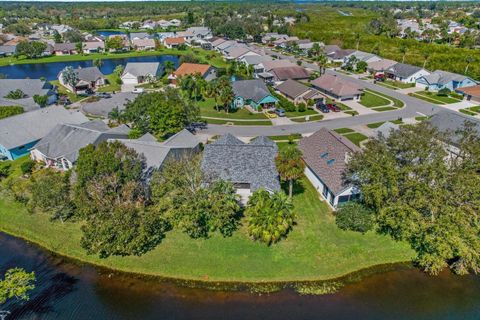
[396,102]
[371,100]
[398,121]
[421,118]
[398,84]
[112,84]
[434,98]
[375,124]
[356,137]
[352,112]
[316,117]
[207,109]
[314,250]
[295,136]
[307,112]
[467,112]
[381,109]
[239,123]
[343,130]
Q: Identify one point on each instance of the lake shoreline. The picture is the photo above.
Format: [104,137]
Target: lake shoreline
[303,287]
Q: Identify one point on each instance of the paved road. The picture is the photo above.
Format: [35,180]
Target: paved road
[413,107]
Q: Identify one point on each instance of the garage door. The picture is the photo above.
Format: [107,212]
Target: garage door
[129,81]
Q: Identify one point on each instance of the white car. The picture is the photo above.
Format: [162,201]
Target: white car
[138,90]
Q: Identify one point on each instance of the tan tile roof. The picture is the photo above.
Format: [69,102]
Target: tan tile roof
[191,68]
[336,85]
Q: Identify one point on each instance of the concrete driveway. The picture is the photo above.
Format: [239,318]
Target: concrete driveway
[127,87]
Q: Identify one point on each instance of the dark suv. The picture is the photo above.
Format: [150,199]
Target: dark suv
[320,106]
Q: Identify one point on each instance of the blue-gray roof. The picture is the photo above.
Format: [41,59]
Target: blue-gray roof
[254,90]
[232,160]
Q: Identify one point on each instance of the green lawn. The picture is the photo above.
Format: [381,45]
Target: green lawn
[315,250]
[64,91]
[396,103]
[295,136]
[395,84]
[344,130]
[434,97]
[316,117]
[112,84]
[239,123]
[375,125]
[307,112]
[207,109]
[381,109]
[356,137]
[371,100]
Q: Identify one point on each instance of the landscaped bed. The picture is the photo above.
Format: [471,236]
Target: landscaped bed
[316,249]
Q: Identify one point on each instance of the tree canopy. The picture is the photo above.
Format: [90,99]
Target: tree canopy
[16,284]
[425,194]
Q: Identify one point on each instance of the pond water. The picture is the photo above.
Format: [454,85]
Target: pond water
[51,70]
[107,33]
[67,290]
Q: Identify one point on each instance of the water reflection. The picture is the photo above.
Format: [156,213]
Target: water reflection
[69,291]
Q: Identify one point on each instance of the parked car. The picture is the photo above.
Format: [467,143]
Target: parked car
[194,126]
[323,108]
[270,114]
[280,112]
[379,77]
[333,107]
[138,90]
[103,95]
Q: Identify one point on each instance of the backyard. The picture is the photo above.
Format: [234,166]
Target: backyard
[316,249]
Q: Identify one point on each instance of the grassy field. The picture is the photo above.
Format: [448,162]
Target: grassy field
[112,84]
[396,103]
[307,112]
[371,100]
[314,250]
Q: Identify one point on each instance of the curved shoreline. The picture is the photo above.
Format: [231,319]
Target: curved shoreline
[304,286]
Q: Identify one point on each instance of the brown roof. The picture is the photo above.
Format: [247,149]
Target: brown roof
[269,65]
[293,72]
[471,91]
[326,152]
[177,40]
[191,68]
[336,85]
[292,88]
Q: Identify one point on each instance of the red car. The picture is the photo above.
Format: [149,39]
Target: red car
[333,107]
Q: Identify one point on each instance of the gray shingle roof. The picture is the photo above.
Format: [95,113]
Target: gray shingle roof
[386,129]
[452,122]
[32,126]
[182,139]
[403,70]
[254,90]
[325,152]
[253,60]
[66,140]
[103,107]
[292,88]
[8,49]
[30,87]
[232,160]
[443,77]
[293,72]
[142,68]
[337,86]
[89,74]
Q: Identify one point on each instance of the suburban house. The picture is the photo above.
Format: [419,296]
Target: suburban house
[21,132]
[336,54]
[196,33]
[140,35]
[125,42]
[225,45]
[453,123]
[88,79]
[254,60]
[6,50]
[386,129]
[140,72]
[173,42]
[238,52]
[93,46]
[326,154]
[440,79]
[217,42]
[103,107]
[61,146]
[298,93]
[405,73]
[66,48]
[380,65]
[206,71]
[30,88]
[143,44]
[338,88]
[263,69]
[292,72]
[362,56]
[253,93]
[470,93]
[156,154]
[249,166]
[272,36]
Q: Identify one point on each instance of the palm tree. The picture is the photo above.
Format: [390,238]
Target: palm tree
[290,166]
[357,39]
[169,66]
[425,55]
[403,50]
[316,49]
[210,91]
[469,60]
[269,216]
[322,62]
